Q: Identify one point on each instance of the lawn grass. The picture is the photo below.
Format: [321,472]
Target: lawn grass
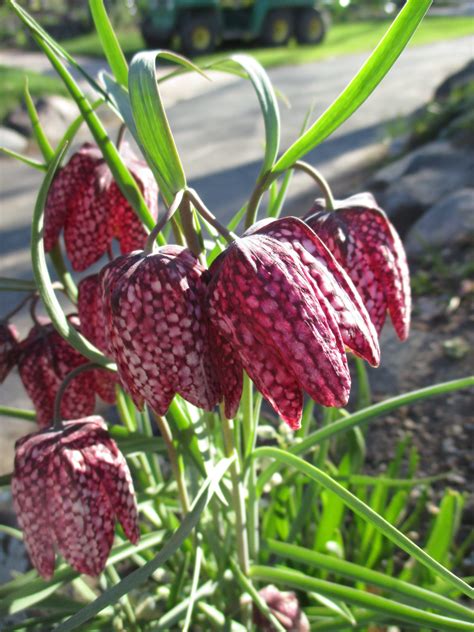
[342,39]
[12,81]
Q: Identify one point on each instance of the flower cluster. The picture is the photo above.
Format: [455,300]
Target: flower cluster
[68,488]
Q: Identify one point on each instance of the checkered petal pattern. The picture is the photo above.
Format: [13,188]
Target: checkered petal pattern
[68,488]
[265,303]
[91,315]
[365,243]
[157,328]
[45,360]
[8,349]
[87,204]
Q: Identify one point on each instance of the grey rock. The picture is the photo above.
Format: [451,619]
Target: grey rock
[430,155]
[449,222]
[13,140]
[55,112]
[458,79]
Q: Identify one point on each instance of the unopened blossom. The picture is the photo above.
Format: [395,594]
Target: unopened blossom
[87,203]
[8,349]
[91,316]
[287,316]
[157,328]
[366,244]
[285,608]
[68,489]
[45,360]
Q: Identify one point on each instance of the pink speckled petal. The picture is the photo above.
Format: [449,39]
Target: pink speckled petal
[265,283]
[82,517]
[368,247]
[331,281]
[9,349]
[229,370]
[118,485]
[31,504]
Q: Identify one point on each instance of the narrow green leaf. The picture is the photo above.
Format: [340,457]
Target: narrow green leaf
[43,280]
[141,574]
[38,131]
[151,123]
[109,42]
[362,417]
[16,285]
[401,612]
[365,512]
[362,85]
[194,587]
[268,104]
[40,166]
[445,526]
[336,606]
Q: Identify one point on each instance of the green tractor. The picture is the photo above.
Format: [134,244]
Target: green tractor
[203,24]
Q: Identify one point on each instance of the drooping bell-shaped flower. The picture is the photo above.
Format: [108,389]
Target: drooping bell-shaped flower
[8,349]
[91,315]
[365,243]
[86,202]
[287,315]
[45,360]
[157,330]
[285,608]
[68,488]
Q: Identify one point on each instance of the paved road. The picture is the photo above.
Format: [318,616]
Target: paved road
[219,134]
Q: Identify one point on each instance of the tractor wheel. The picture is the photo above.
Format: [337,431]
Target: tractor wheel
[198,34]
[310,27]
[278,28]
[155,41]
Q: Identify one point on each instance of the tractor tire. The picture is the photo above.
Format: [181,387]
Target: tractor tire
[198,34]
[311,27]
[156,41]
[278,28]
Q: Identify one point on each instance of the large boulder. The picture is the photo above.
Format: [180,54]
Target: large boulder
[449,222]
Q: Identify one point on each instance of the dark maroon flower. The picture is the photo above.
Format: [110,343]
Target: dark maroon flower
[45,360]
[85,201]
[287,315]
[68,488]
[8,349]
[285,608]
[157,328]
[366,244]
[91,315]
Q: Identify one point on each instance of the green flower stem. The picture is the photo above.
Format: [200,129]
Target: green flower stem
[175,461]
[401,612]
[237,495]
[155,233]
[362,417]
[17,413]
[202,209]
[255,198]
[57,420]
[41,138]
[64,275]
[250,423]
[364,394]
[320,180]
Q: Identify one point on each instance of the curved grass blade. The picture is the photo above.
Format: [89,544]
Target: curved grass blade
[397,611]
[109,42]
[152,127]
[362,85]
[421,597]
[17,413]
[368,514]
[174,543]
[363,416]
[268,103]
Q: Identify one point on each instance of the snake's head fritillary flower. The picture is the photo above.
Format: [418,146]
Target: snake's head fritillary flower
[365,243]
[8,349]
[157,329]
[68,488]
[285,608]
[287,315]
[86,202]
[91,315]
[45,360]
